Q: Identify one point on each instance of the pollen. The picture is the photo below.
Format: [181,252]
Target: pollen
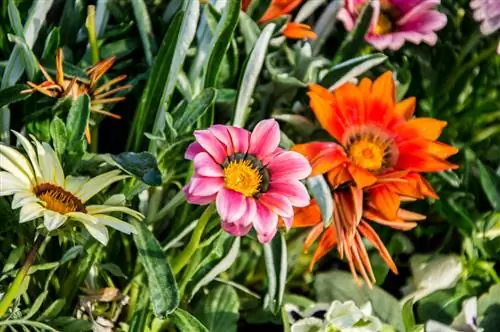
[57,199]
[383,26]
[243,177]
[367,154]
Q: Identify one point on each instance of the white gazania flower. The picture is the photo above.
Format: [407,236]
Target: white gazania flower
[41,190]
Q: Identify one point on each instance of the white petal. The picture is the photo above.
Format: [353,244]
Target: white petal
[99,232]
[57,171]
[30,150]
[44,162]
[95,185]
[53,220]
[97,209]
[116,200]
[83,217]
[116,223]
[10,184]
[30,211]
[15,163]
[74,183]
[23,198]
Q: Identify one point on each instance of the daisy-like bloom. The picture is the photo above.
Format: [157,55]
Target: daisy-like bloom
[41,191]
[279,8]
[100,95]
[380,146]
[487,12]
[353,213]
[250,178]
[396,21]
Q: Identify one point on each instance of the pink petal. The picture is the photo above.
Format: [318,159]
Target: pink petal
[211,144]
[293,190]
[428,22]
[288,222]
[379,42]
[192,150]
[265,223]
[222,134]
[277,204]
[289,165]
[240,138]
[251,211]
[417,11]
[204,165]
[345,17]
[265,138]
[200,200]
[230,204]
[236,229]
[205,186]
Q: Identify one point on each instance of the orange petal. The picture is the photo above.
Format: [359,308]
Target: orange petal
[87,133]
[365,86]
[338,176]
[384,90]
[320,101]
[279,8]
[369,233]
[424,186]
[350,102]
[311,150]
[363,254]
[385,201]
[409,215]
[396,223]
[406,107]
[307,216]
[421,161]
[327,242]
[313,236]
[441,150]
[245,4]
[299,31]
[327,160]
[426,127]
[362,177]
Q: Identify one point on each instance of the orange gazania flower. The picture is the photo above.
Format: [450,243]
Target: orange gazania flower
[353,213]
[279,8]
[380,146]
[63,86]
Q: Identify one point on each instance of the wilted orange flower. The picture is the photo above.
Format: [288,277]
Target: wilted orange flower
[74,87]
[278,8]
[380,146]
[353,212]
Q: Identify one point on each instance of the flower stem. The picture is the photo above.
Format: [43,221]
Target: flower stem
[194,242]
[90,25]
[13,290]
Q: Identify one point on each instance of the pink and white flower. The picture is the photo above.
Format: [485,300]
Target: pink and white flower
[251,179]
[488,13]
[396,21]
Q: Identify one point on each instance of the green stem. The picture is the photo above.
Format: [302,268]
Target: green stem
[90,25]
[14,287]
[194,242]
[94,143]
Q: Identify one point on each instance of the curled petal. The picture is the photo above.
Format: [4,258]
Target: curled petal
[265,138]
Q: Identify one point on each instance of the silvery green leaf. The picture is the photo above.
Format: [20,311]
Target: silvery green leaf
[308,8]
[320,191]
[251,75]
[326,24]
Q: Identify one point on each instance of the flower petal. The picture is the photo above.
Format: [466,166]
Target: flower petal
[192,150]
[30,151]
[115,223]
[104,209]
[205,186]
[211,144]
[53,220]
[230,204]
[265,223]
[97,184]
[222,134]
[277,204]
[97,231]
[10,184]
[204,165]
[293,190]
[30,211]
[200,200]
[240,138]
[236,229]
[265,138]
[288,165]
[15,163]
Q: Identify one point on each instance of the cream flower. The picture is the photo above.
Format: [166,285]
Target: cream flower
[41,190]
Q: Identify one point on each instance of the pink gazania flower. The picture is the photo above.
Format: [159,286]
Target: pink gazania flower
[396,21]
[488,13]
[250,178]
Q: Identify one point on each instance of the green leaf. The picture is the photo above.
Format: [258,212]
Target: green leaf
[339,285]
[325,25]
[71,253]
[320,191]
[251,75]
[36,305]
[186,322]
[13,94]
[408,316]
[15,18]
[145,29]
[490,182]
[250,30]
[53,310]
[219,309]
[488,306]
[403,77]
[14,256]
[161,282]
[142,165]
[59,135]
[51,43]
[70,324]
[72,19]
[220,259]
[221,42]
[275,255]
[195,109]
[77,120]
[347,70]
[29,59]
[114,269]
[355,39]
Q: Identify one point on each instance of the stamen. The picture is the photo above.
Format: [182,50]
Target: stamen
[57,199]
[242,176]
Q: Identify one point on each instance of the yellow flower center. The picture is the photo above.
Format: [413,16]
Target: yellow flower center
[383,26]
[57,199]
[367,154]
[243,177]
[370,148]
